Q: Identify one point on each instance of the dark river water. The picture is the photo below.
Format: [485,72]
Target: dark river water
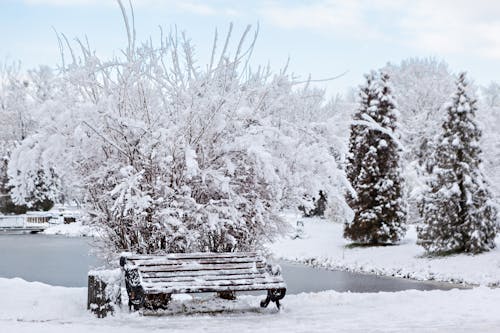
[65,261]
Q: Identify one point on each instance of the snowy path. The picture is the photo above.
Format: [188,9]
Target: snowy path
[35,307]
[324,246]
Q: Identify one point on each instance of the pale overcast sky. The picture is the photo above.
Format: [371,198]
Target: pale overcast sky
[322,37]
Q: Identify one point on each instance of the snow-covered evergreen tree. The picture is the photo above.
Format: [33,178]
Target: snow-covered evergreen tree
[458,213]
[373,167]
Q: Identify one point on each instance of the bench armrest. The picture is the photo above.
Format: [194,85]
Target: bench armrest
[274,270]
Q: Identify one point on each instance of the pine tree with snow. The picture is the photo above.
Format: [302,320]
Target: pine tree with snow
[457,210]
[373,168]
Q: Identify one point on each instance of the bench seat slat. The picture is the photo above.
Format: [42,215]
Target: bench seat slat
[225,272]
[176,278]
[205,283]
[202,288]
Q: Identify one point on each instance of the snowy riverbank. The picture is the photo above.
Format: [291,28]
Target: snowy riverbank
[76,229]
[36,307]
[324,246]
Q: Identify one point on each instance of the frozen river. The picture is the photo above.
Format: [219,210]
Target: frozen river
[64,261]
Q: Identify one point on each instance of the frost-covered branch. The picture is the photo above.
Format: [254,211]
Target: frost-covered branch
[370,123]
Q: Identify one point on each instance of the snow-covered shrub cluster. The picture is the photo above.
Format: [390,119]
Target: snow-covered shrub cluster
[168,155]
[374,168]
[421,87]
[20,96]
[489,120]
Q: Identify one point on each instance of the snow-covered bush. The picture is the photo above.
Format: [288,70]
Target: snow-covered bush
[15,103]
[37,186]
[7,206]
[457,209]
[491,94]
[173,156]
[374,168]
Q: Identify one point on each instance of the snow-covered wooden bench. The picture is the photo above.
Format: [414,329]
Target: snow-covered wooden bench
[151,280]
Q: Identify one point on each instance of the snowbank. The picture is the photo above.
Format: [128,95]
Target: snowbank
[324,246]
[35,307]
[75,229]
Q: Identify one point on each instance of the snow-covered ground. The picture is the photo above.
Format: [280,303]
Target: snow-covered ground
[75,229]
[35,307]
[324,246]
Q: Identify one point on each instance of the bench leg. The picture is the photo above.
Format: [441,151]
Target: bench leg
[264,303]
[134,289]
[135,299]
[274,295]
